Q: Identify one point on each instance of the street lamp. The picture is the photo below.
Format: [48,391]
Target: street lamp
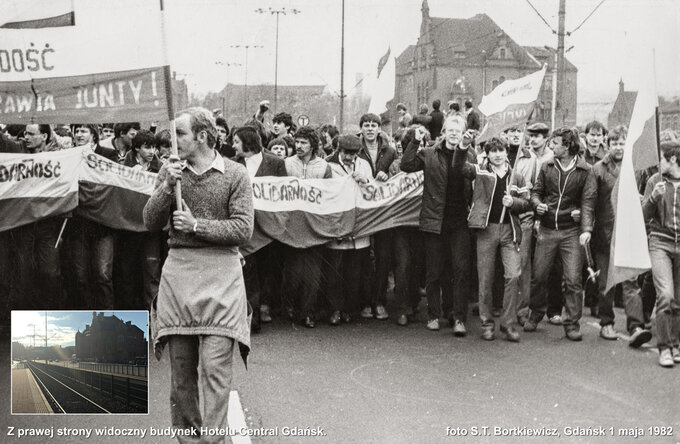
[278,12]
[224,97]
[245,82]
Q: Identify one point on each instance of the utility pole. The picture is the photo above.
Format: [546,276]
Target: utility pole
[342,71]
[559,105]
[245,81]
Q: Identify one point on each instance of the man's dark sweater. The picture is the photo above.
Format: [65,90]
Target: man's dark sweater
[222,204]
[455,209]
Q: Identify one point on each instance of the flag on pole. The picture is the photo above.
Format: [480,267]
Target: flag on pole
[629,252]
[35,14]
[79,70]
[510,104]
[383,87]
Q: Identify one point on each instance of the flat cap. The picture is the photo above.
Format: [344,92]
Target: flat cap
[349,143]
[538,127]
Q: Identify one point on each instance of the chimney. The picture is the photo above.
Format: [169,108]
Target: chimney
[621,86]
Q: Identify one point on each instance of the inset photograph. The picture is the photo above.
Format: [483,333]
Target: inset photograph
[80,362]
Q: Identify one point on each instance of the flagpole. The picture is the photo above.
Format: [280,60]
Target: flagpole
[512,169]
[174,157]
[656,114]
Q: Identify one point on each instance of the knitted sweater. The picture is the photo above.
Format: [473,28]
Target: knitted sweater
[222,204]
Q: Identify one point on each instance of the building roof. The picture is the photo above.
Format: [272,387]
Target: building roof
[545,54]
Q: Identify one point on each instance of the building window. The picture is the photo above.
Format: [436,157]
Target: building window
[502,52]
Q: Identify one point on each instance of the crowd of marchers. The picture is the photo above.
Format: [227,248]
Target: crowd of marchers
[511,229]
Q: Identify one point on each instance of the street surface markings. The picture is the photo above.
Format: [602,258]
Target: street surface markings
[236,419]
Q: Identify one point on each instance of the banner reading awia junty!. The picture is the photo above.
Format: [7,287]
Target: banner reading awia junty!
[88,72]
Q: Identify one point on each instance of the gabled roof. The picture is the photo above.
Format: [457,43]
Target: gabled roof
[625,101]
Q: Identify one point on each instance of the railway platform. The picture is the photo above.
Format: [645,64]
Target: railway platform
[26,395]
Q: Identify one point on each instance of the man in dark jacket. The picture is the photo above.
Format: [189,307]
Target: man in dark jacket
[436,120]
[379,154]
[472,116]
[598,222]
[443,219]
[557,198]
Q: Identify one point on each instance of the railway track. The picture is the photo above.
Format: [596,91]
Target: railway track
[62,397]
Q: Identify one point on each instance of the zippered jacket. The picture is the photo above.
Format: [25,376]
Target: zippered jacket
[386,155]
[563,200]
[597,214]
[662,213]
[483,192]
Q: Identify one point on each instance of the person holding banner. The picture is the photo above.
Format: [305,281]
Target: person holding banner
[499,197]
[201,308]
[597,223]
[443,219]
[661,206]
[302,266]
[557,197]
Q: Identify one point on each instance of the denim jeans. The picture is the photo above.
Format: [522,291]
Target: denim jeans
[632,297]
[447,256]
[93,262]
[211,357]
[665,256]
[493,239]
[548,243]
[525,248]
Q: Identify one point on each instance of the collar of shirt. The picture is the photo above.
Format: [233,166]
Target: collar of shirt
[571,165]
[253,163]
[217,164]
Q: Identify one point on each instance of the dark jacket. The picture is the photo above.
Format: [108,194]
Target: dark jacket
[436,123]
[421,119]
[561,202]
[271,165]
[109,153]
[482,195]
[131,161]
[386,155]
[597,216]
[662,213]
[433,162]
[473,121]
[7,145]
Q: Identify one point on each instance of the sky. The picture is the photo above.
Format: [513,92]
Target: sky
[63,325]
[615,42]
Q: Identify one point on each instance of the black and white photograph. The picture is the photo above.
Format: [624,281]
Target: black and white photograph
[341,221]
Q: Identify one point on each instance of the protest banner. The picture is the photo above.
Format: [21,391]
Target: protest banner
[112,194]
[510,104]
[36,186]
[55,74]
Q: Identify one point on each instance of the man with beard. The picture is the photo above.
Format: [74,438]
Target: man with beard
[597,224]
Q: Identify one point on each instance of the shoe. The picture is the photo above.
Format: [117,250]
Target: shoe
[487,333]
[433,324]
[666,358]
[607,332]
[521,320]
[555,320]
[367,313]
[308,322]
[459,329]
[381,313]
[676,355]
[594,311]
[265,314]
[346,318]
[639,337]
[573,334]
[530,325]
[402,320]
[496,312]
[511,334]
[335,318]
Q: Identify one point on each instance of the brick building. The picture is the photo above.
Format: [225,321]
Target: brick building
[464,59]
[669,110]
[109,339]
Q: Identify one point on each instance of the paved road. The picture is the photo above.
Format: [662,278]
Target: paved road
[373,381]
